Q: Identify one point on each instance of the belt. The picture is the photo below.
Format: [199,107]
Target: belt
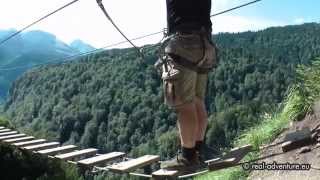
[189,65]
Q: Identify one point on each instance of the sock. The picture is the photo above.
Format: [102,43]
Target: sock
[188,153]
[199,145]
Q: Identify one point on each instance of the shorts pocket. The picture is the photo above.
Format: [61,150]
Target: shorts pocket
[172,97]
[169,92]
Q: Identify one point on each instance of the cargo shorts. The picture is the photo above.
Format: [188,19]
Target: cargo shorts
[182,80]
[184,87]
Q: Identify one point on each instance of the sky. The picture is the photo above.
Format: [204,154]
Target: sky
[84,20]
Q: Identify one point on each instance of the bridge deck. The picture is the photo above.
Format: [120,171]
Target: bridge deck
[100,159]
[89,159]
[8,133]
[12,137]
[29,143]
[133,164]
[17,140]
[4,130]
[40,147]
[77,154]
[58,150]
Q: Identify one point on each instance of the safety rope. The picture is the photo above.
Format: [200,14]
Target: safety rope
[118,29]
[234,8]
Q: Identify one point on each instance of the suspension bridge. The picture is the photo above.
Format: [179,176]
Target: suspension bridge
[119,163]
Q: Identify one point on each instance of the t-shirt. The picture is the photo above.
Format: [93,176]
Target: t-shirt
[188,15]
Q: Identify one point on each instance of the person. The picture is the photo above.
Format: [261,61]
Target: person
[189,54]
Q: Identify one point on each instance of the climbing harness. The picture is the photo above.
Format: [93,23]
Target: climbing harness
[192,50]
[118,29]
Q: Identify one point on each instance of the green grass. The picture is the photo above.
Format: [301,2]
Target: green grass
[297,103]
[4,121]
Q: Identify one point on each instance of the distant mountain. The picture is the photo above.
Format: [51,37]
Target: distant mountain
[38,41]
[81,46]
[30,49]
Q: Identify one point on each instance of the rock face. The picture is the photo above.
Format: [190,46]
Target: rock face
[306,155]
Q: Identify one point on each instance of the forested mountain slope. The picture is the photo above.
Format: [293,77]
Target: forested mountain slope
[29,49]
[113,101]
[81,46]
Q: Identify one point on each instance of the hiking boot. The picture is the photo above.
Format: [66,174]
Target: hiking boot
[182,164]
[206,153]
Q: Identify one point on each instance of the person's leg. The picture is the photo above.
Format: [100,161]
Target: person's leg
[180,94]
[205,152]
[188,124]
[202,116]
[202,119]
[187,113]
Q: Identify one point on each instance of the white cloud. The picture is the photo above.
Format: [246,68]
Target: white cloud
[85,20]
[220,5]
[299,21]
[230,23]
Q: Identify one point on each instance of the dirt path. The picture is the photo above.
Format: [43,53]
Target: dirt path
[295,157]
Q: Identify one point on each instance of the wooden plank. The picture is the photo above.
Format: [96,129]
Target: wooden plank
[29,143]
[12,136]
[225,163]
[39,147]
[58,150]
[210,161]
[17,140]
[4,130]
[1,127]
[77,154]
[164,174]
[8,133]
[185,176]
[100,159]
[239,152]
[133,164]
[230,159]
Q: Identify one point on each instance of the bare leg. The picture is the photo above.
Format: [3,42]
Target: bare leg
[188,124]
[188,159]
[202,118]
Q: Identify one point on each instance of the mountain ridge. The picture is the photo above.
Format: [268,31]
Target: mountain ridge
[30,49]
